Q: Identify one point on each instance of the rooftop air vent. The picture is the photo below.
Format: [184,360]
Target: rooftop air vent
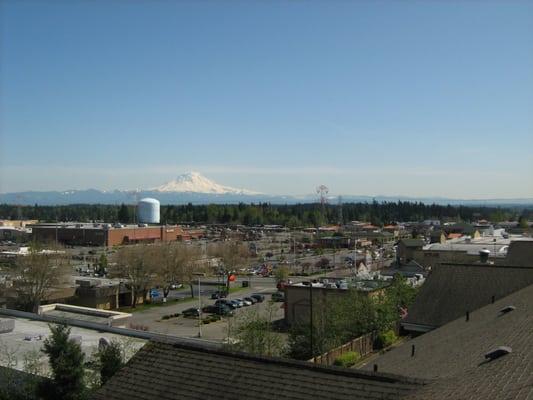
[498,352]
[507,309]
[484,256]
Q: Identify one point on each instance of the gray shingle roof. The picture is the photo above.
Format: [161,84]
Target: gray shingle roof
[453,355]
[453,289]
[166,372]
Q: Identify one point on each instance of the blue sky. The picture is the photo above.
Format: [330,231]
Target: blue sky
[419,98]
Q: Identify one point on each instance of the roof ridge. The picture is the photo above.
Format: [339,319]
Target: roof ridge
[355,373]
[486,265]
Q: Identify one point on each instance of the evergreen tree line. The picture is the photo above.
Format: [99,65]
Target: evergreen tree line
[292,215]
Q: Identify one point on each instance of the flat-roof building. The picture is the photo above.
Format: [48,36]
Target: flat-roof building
[100,234]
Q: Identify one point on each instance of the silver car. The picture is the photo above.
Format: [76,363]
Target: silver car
[238,302]
[245,302]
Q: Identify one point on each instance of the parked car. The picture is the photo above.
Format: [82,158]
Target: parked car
[210,309]
[225,311]
[191,312]
[237,303]
[219,309]
[226,302]
[278,296]
[251,299]
[259,297]
[175,286]
[219,294]
[246,302]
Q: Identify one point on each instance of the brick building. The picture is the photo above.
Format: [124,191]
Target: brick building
[109,235]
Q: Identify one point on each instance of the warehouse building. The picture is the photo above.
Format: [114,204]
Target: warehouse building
[97,234]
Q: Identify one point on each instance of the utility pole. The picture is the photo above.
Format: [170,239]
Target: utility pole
[354,256]
[340,218]
[199,309]
[311,320]
[294,252]
[334,259]
[57,222]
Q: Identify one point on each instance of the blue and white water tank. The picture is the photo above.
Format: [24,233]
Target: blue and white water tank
[148,211]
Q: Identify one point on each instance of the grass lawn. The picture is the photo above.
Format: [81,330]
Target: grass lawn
[237,289]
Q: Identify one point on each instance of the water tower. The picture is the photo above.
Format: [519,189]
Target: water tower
[148,211]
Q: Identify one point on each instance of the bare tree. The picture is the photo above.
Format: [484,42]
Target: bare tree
[37,274]
[176,262]
[281,274]
[137,265]
[232,254]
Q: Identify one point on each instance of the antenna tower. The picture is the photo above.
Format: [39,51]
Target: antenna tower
[322,192]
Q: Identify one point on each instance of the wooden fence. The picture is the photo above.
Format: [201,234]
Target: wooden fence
[363,345]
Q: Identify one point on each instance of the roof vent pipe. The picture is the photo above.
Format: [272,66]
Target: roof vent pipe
[507,309]
[484,256]
[498,352]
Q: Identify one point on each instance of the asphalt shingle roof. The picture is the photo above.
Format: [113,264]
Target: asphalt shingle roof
[451,290]
[166,372]
[453,355]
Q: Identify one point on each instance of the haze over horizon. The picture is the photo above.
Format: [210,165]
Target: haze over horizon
[419,99]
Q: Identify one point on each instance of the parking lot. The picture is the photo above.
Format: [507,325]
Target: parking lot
[188,327]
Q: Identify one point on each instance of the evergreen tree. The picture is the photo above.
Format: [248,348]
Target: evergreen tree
[102,265]
[66,361]
[123,214]
[111,360]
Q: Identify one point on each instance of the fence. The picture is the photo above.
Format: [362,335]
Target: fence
[363,345]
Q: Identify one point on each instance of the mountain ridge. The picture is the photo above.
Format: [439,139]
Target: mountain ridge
[195,188]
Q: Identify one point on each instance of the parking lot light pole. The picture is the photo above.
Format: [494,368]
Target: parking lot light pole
[199,309]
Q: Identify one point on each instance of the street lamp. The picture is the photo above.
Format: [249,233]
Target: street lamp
[199,307]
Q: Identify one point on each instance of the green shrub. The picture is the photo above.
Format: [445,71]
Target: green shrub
[168,316]
[385,339]
[347,359]
[214,318]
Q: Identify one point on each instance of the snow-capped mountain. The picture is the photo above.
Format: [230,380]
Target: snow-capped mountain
[194,182]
